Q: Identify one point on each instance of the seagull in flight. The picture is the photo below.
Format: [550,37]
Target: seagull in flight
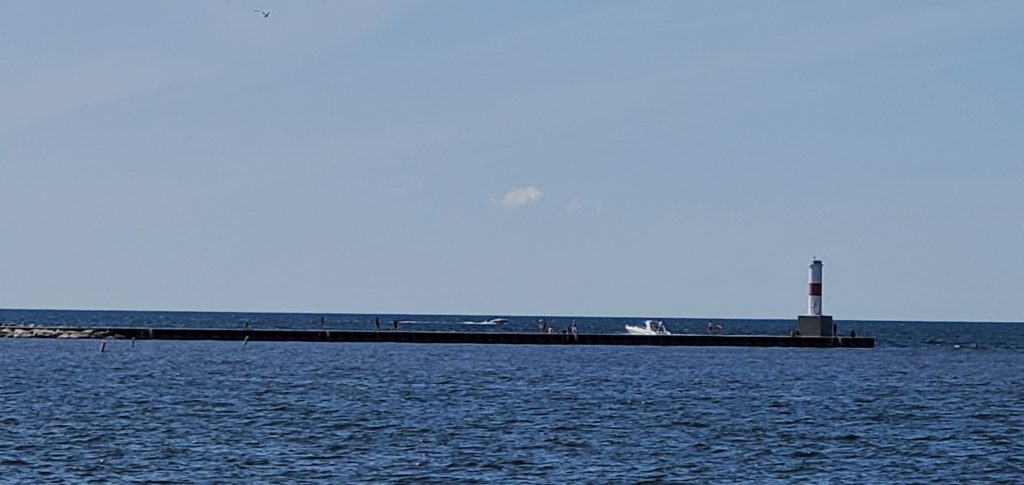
[261,12]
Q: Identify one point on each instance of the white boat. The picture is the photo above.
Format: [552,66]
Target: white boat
[651,327]
[497,321]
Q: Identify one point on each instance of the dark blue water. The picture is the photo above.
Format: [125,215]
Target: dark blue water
[908,411]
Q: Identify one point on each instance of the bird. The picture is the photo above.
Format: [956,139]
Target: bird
[261,12]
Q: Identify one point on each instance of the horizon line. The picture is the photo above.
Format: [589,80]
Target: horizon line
[369,314]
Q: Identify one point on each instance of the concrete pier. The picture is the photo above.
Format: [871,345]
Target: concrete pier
[814,325]
[522,338]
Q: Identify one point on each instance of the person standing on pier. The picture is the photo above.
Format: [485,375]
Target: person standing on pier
[376,323]
[542,326]
[323,324]
[572,328]
[711,327]
[395,324]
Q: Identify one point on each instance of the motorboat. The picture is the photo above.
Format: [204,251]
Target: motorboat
[497,321]
[651,327]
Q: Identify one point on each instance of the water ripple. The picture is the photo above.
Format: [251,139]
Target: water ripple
[309,413]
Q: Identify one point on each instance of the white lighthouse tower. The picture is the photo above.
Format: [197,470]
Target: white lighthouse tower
[814,288]
[814,324]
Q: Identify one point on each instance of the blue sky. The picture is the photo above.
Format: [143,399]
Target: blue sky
[644,158]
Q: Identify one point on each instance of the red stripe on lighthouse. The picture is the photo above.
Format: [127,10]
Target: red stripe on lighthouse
[815,289]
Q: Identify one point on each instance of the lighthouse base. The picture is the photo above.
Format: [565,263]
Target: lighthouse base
[814,325]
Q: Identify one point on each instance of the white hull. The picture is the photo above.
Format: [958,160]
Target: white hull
[650,327]
[639,330]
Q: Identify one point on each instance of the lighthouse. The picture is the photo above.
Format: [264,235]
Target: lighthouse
[814,288]
[814,323]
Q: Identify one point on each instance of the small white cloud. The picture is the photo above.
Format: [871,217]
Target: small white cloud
[521,197]
[593,205]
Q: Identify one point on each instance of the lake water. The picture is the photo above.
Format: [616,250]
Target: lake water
[945,411]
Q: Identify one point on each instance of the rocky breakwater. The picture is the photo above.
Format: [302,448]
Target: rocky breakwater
[32,331]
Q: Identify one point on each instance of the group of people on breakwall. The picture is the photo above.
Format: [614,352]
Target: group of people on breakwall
[572,329]
[714,328]
[395,323]
[543,327]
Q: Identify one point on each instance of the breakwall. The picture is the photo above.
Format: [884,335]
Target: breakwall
[510,338]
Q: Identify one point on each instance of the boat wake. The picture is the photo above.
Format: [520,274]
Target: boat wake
[496,321]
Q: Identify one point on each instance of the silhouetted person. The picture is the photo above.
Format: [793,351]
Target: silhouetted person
[395,324]
[376,323]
